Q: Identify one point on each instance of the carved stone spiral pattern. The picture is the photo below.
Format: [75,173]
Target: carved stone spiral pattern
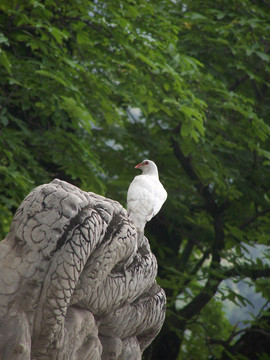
[74,284]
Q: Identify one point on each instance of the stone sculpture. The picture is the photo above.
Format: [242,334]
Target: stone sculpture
[74,285]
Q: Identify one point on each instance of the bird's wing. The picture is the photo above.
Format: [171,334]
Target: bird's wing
[160,195]
[140,197]
[146,196]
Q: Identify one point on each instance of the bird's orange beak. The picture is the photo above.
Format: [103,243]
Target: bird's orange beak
[138,166]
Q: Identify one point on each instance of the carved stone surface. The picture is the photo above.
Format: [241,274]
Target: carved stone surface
[73,282]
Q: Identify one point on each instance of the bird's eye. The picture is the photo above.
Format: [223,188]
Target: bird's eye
[146,163]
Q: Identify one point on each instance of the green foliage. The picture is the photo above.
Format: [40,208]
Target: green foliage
[90,88]
[204,336]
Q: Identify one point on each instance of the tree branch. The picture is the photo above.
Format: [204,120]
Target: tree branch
[199,302]
[206,294]
[194,271]
[185,162]
[186,253]
[238,82]
[254,218]
[247,271]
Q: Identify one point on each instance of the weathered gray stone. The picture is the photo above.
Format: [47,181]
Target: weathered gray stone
[74,283]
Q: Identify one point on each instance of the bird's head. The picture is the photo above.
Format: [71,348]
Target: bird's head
[148,167]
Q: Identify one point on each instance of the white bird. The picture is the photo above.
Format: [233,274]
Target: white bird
[145,195]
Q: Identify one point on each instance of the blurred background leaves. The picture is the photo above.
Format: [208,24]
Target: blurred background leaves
[90,88]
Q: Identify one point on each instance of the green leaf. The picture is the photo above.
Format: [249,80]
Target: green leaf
[3,39]
[52,76]
[58,34]
[78,113]
[4,61]
[263,56]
